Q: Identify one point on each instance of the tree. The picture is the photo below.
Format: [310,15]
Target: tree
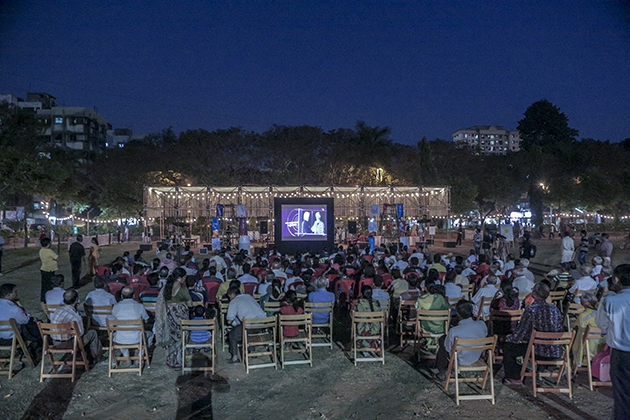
[546,136]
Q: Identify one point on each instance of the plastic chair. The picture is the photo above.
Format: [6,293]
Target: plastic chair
[304,323]
[564,339]
[259,332]
[127,326]
[140,280]
[319,329]
[368,281]
[188,328]
[212,287]
[372,353]
[250,288]
[114,288]
[73,347]
[11,326]
[387,280]
[485,345]
[103,270]
[137,289]
[591,333]
[344,286]
[431,347]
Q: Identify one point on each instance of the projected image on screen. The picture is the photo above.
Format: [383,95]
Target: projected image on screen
[304,222]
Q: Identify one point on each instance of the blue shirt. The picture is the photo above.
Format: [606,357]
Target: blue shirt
[318,296]
[618,312]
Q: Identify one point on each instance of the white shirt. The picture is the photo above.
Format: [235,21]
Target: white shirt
[243,306]
[568,246]
[247,278]
[8,310]
[262,288]
[467,328]
[55,296]
[401,265]
[453,292]
[100,297]
[290,281]
[418,255]
[508,266]
[583,283]
[618,313]
[523,284]
[468,272]
[128,309]
[529,275]
[487,291]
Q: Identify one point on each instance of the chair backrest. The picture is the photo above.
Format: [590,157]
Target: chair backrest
[295,320]
[272,307]
[368,317]
[137,289]
[467,290]
[106,310]
[387,279]
[5,327]
[140,279]
[103,270]
[485,303]
[212,287]
[56,331]
[114,288]
[49,309]
[124,276]
[368,281]
[507,316]
[250,288]
[198,325]
[475,344]
[295,284]
[442,316]
[344,286]
[129,325]
[259,323]
[557,296]
[149,306]
[540,338]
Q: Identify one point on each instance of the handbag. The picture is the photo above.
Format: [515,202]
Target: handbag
[600,366]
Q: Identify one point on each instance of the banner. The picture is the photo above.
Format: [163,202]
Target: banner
[400,210]
[219,210]
[215,224]
[507,231]
[242,226]
[241,211]
[376,210]
[372,225]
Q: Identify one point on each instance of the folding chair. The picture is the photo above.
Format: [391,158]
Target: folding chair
[272,307]
[90,311]
[189,327]
[564,339]
[150,307]
[304,338]
[592,333]
[259,332]
[467,290]
[319,329]
[372,354]
[142,350]
[557,298]
[49,309]
[484,364]
[406,322]
[484,304]
[11,326]
[507,317]
[431,347]
[224,327]
[73,346]
[385,308]
[573,311]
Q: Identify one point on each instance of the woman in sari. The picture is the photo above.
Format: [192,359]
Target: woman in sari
[95,253]
[585,319]
[173,304]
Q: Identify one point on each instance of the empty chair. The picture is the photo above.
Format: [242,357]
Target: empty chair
[592,333]
[484,365]
[259,332]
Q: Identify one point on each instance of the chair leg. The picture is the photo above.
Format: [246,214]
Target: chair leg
[456,381]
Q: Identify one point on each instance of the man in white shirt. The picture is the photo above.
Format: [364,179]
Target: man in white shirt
[100,297]
[466,329]
[246,277]
[586,282]
[416,254]
[509,263]
[567,248]
[467,270]
[617,309]
[522,283]
[453,292]
[55,296]
[596,268]
[489,290]
[10,307]
[526,272]
[400,264]
[242,306]
[125,310]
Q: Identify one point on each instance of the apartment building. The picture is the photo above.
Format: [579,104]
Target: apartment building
[488,139]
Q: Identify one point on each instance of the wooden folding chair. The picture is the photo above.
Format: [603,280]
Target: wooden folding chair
[557,298]
[592,333]
[73,346]
[11,326]
[272,307]
[484,364]
[49,309]
[259,332]
[150,307]
[507,317]
[90,311]
[443,318]
[564,339]
[304,338]
[319,330]
[467,290]
[224,327]
[406,322]
[483,305]
[385,308]
[372,354]
[200,325]
[141,348]
[573,311]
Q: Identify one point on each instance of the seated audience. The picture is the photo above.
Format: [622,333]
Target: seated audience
[55,296]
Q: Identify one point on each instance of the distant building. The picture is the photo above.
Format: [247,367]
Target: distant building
[488,139]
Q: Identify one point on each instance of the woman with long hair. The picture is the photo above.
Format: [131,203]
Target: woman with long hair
[291,305]
[95,253]
[173,304]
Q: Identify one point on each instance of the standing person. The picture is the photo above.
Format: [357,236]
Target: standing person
[477,239]
[606,247]
[617,310]
[568,248]
[126,237]
[95,253]
[49,265]
[77,257]
[460,235]
[172,306]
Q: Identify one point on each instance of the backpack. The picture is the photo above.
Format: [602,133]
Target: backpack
[600,366]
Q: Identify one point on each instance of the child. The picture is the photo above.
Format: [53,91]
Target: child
[200,313]
[291,306]
[583,251]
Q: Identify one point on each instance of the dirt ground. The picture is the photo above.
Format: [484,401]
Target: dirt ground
[333,388]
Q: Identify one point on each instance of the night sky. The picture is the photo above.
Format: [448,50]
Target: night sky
[423,68]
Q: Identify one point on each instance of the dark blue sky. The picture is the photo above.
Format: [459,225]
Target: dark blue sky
[423,68]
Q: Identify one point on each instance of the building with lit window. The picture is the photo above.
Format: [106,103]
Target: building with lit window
[488,139]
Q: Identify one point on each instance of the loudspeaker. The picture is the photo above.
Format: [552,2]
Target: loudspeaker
[352,226]
[146,247]
[264,227]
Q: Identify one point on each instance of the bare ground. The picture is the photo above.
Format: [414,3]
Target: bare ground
[333,388]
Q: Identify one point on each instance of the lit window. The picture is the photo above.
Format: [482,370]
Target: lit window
[58,120]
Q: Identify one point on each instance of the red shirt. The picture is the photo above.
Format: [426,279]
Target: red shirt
[290,330]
